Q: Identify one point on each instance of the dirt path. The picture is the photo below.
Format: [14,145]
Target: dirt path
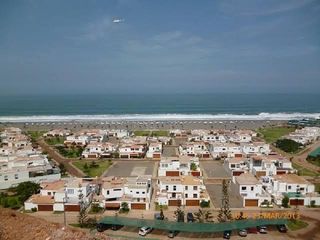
[60,159]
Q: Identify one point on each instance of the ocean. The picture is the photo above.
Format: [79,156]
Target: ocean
[158,106]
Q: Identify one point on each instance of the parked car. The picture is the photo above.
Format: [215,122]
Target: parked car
[101,227]
[262,229]
[144,231]
[243,233]
[172,234]
[252,230]
[227,234]
[282,228]
[116,227]
[190,217]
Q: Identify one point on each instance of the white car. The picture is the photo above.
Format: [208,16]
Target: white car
[144,231]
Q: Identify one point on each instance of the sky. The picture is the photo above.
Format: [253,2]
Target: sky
[167,46]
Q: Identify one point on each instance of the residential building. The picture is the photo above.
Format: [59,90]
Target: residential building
[179,166]
[250,190]
[154,150]
[181,191]
[99,150]
[194,149]
[135,191]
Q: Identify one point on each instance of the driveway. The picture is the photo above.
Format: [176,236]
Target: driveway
[131,168]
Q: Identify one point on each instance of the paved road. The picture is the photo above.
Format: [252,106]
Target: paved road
[300,159]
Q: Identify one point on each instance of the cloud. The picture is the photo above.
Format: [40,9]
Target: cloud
[261,7]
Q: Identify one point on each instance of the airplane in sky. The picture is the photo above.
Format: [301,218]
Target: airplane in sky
[117,20]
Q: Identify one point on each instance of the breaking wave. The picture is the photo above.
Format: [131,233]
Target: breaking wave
[159,117]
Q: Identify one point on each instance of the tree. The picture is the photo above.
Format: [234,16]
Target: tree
[285,202]
[205,204]
[124,207]
[203,216]
[288,145]
[179,214]
[161,214]
[224,212]
[241,216]
[26,189]
[193,167]
[63,169]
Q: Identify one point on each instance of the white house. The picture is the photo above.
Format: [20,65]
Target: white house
[132,151]
[57,133]
[179,166]
[250,189]
[225,150]
[99,149]
[194,149]
[181,191]
[135,191]
[299,190]
[154,150]
[79,140]
[255,148]
[62,195]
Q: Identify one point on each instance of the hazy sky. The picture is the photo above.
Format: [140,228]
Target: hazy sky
[161,46]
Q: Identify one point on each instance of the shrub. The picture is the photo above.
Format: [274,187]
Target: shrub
[34,209]
[95,208]
[288,145]
[285,202]
[124,207]
[204,204]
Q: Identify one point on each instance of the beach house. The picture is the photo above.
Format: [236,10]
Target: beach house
[180,191]
[135,191]
[179,166]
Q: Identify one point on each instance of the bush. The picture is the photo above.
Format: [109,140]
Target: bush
[204,204]
[95,208]
[285,202]
[288,145]
[124,207]
[34,209]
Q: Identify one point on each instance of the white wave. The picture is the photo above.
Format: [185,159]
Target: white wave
[159,117]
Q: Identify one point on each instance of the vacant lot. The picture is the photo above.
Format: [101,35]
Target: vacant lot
[272,134]
[93,168]
[213,169]
[128,168]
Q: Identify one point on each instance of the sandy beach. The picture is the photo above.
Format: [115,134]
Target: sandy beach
[147,125]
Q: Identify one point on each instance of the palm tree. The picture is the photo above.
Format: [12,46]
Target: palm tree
[225,213]
[203,216]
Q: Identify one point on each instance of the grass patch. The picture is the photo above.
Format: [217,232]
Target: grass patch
[54,140]
[160,133]
[35,135]
[294,225]
[303,171]
[142,133]
[314,160]
[70,152]
[93,168]
[159,207]
[272,134]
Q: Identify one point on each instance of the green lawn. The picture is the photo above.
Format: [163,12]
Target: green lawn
[35,135]
[70,152]
[55,140]
[93,171]
[272,134]
[160,133]
[142,133]
[294,225]
[303,171]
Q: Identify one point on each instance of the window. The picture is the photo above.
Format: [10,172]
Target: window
[186,187]
[70,191]
[195,195]
[174,188]
[186,195]
[16,176]
[167,187]
[108,192]
[289,187]
[252,188]
[243,188]
[49,193]
[195,188]
[6,178]
[173,195]
[143,192]
[232,165]
[117,189]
